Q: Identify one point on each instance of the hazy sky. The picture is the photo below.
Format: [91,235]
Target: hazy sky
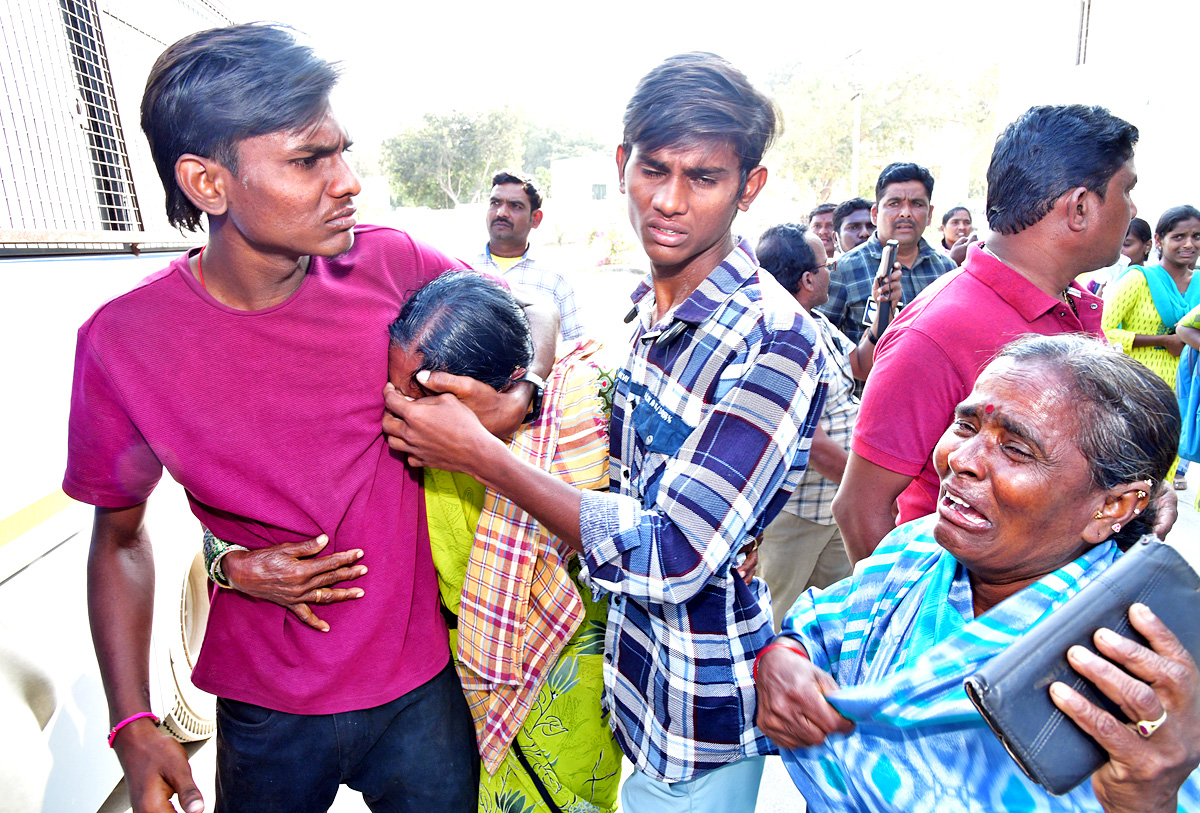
[576,63]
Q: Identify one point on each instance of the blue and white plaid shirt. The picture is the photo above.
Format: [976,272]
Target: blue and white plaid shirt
[541,280]
[710,433]
[813,497]
[850,284]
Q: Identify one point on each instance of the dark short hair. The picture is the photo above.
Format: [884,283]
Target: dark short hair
[847,208]
[465,324]
[527,183]
[1128,417]
[783,251]
[821,209]
[950,213]
[1140,229]
[1047,152]
[900,172]
[214,88]
[697,98]
[1173,217]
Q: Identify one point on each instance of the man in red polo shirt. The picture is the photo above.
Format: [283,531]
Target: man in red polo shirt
[1058,203]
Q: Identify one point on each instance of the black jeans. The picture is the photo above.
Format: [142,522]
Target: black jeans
[414,754]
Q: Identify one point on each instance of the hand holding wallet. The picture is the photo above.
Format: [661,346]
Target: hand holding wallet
[1012,690]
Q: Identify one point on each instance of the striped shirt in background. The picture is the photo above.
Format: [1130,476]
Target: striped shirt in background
[527,274]
[710,433]
[813,498]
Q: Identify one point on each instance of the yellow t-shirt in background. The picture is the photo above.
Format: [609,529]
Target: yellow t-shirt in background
[504,263]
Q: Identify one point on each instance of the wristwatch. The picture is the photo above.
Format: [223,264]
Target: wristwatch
[539,392]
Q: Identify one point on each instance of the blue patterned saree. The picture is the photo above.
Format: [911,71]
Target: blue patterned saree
[900,637]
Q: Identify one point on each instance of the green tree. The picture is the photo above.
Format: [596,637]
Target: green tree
[818,117]
[978,112]
[899,110]
[543,144]
[450,159]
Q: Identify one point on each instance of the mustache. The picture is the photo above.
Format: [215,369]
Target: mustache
[501,220]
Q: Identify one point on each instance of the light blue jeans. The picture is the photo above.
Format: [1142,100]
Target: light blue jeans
[730,789]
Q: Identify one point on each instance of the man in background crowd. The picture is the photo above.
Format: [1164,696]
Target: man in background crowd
[820,222]
[1023,281]
[956,228]
[903,207]
[802,547]
[852,223]
[514,210]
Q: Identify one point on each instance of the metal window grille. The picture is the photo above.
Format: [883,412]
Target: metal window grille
[63,163]
[113,181]
[68,70]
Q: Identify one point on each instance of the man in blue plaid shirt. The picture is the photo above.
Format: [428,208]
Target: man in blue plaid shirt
[903,207]
[712,420]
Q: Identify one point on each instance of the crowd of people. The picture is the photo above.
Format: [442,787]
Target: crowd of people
[459,567]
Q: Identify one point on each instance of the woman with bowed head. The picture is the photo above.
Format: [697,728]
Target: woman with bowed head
[1046,476]
[526,636]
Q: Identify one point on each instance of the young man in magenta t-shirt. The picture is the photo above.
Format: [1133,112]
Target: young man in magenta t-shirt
[252,369]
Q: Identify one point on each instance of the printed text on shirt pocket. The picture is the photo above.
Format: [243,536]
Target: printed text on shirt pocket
[661,432]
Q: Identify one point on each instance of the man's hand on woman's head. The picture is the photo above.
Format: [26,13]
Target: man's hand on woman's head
[1144,772]
[501,413]
[1166,502]
[439,431]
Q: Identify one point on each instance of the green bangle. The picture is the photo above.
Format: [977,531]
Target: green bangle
[214,551]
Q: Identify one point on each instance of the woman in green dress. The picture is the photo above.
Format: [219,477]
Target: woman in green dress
[527,638]
[526,635]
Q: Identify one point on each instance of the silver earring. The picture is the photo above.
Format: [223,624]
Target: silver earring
[1116,527]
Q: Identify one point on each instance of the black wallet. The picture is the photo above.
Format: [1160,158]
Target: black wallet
[1012,690]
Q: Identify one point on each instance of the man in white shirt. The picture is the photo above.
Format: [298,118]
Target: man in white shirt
[515,209]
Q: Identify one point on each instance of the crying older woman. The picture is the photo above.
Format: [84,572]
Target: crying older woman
[1046,476]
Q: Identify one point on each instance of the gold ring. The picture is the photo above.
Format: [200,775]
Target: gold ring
[1148,727]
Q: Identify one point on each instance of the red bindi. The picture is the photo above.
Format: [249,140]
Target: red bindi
[989,408]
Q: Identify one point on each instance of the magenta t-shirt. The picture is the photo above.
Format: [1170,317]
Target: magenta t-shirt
[270,420]
[928,360]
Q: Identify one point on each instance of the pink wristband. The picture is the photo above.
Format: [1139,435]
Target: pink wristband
[112,735]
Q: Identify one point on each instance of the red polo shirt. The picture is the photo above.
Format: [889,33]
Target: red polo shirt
[927,362]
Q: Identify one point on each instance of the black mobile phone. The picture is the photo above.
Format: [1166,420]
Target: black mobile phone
[885,270]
